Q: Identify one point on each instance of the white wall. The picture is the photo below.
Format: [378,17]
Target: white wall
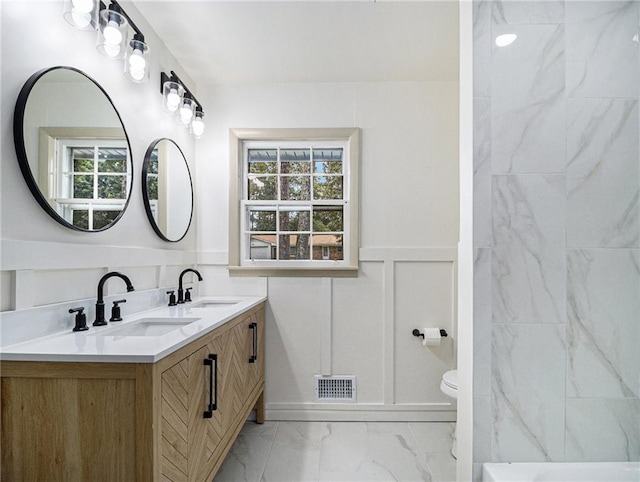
[360,326]
[42,261]
[409,233]
[60,104]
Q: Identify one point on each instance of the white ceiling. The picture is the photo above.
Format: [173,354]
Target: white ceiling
[221,42]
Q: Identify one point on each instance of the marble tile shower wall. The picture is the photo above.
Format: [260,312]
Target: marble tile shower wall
[557,231]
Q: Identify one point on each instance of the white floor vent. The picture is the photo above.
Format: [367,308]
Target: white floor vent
[336,388]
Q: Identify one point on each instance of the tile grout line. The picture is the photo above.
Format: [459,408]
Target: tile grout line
[323,426]
[266,460]
[423,452]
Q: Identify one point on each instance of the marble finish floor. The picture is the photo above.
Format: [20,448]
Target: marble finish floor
[341,451]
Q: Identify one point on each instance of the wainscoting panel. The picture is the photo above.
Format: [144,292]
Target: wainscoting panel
[357,326]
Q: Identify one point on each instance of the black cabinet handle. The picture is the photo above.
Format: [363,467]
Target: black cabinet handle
[254,355]
[212,362]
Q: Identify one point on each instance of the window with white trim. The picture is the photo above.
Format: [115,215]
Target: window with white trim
[297,202]
[90,181]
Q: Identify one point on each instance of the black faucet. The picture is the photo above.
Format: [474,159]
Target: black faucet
[100,321]
[180,290]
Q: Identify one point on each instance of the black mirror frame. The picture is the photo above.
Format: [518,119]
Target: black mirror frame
[145,194]
[21,151]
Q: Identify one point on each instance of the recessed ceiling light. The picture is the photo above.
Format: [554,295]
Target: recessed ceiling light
[506,39]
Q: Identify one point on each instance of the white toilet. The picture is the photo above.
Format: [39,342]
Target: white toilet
[449,386]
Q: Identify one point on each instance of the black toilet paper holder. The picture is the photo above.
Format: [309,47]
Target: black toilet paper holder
[416,332]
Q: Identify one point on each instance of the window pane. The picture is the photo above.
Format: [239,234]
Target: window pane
[112,187]
[295,188]
[295,167]
[331,244]
[262,220]
[82,164]
[262,188]
[327,187]
[153,163]
[81,218]
[328,218]
[83,186]
[286,247]
[294,246]
[262,246]
[152,188]
[328,154]
[303,248]
[103,218]
[327,167]
[263,161]
[295,161]
[112,160]
[295,221]
[327,161]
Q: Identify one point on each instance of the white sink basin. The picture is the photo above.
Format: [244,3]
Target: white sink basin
[149,327]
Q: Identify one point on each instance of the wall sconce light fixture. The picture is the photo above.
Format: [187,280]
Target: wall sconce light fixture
[114,42]
[186,110]
[172,93]
[177,99]
[137,64]
[82,14]
[113,34]
[197,124]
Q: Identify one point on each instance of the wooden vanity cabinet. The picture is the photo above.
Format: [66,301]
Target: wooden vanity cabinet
[129,421]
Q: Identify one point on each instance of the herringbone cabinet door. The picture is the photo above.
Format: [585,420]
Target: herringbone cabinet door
[189,440]
[192,444]
[256,369]
[207,433]
[175,422]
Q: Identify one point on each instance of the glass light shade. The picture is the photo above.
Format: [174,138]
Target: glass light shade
[82,14]
[112,34]
[197,125]
[185,113]
[172,93]
[136,65]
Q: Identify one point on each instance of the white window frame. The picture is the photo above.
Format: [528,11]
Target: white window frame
[240,140]
[283,206]
[51,160]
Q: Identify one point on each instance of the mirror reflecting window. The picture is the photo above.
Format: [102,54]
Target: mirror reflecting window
[167,190]
[72,149]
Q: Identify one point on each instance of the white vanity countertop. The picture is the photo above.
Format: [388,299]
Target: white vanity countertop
[98,345]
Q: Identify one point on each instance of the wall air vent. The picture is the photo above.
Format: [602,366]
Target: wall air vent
[336,388]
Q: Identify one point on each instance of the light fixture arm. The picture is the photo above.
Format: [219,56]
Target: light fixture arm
[138,35]
[174,78]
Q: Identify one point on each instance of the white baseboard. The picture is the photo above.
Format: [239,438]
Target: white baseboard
[360,413]
[358,416]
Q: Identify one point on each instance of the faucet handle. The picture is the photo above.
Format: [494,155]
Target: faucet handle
[172,298]
[81,319]
[187,294]
[115,311]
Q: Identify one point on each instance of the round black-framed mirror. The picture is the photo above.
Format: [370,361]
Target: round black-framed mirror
[167,190]
[73,149]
